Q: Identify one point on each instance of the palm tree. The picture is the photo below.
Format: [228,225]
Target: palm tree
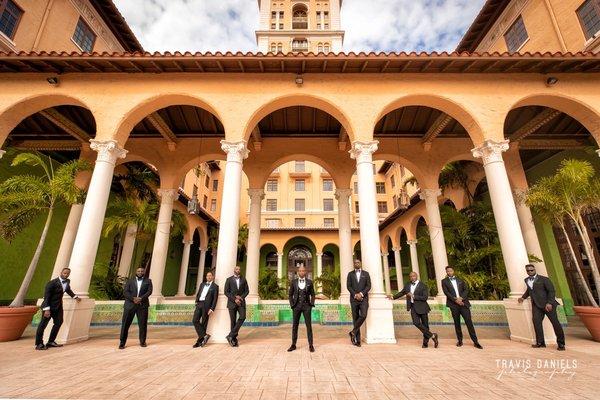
[455,176]
[566,196]
[25,197]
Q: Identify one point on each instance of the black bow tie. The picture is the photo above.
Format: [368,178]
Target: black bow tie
[413,283]
[531,278]
[452,279]
[140,279]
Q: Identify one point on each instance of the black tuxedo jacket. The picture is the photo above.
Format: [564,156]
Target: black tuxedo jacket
[130,291]
[354,286]
[420,297]
[210,301]
[53,294]
[543,292]
[294,291]
[463,292]
[231,290]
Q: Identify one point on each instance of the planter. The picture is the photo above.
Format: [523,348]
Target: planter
[590,316]
[14,320]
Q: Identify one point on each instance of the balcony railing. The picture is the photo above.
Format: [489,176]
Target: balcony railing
[300,23]
[300,48]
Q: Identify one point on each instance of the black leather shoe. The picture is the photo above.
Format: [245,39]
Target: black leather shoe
[436,343]
[205,340]
[311,348]
[53,344]
[459,343]
[538,345]
[424,346]
[121,346]
[561,348]
[357,344]
[477,345]
[143,344]
[197,344]
[236,343]
[292,348]
[230,341]
[352,337]
[41,347]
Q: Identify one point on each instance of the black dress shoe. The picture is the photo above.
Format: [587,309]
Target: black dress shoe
[197,344]
[53,344]
[424,346]
[230,341]
[477,345]
[143,344]
[561,348]
[292,348]
[538,345]
[357,344]
[435,340]
[41,347]
[352,337]
[121,346]
[236,343]
[459,343]
[205,340]
[311,348]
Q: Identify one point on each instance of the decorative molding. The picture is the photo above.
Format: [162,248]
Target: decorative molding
[343,193]
[97,24]
[236,151]
[412,242]
[256,194]
[491,151]
[430,194]
[188,242]
[395,249]
[168,195]
[108,151]
[362,152]
[506,19]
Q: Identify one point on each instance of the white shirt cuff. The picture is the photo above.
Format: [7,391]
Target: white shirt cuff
[46,309]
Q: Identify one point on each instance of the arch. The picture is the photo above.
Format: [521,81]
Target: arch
[134,115]
[398,235]
[413,225]
[298,100]
[413,168]
[444,104]
[17,112]
[266,172]
[384,243]
[576,109]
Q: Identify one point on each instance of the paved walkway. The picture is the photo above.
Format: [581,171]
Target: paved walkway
[169,368]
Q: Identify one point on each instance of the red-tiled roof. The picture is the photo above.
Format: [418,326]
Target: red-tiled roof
[486,18]
[117,24]
[299,63]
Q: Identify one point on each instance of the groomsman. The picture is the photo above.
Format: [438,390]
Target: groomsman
[236,290]
[52,307]
[302,300]
[358,283]
[457,300]
[137,291]
[543,303]
[416,293]
[206,301]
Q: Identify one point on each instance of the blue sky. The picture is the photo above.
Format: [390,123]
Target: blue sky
[229,25]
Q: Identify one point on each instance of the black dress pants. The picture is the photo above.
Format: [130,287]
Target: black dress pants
[240,313]
[465,312]
[134,310]
[57,320]
[421,321]
[359,315]
[538,316]
[200,320]
[305,310]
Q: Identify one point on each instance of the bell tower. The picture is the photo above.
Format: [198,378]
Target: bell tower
[300,26]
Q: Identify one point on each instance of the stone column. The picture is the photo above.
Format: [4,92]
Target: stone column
[127,251]
[280,266]
[532,243]
[162,238]
[201,263]
[514,251]
[398,261]
[386,273]
[436,234]
[414,258]
[183,270]
[68,240]
[228,233]
[253,258]
[345,239]
[380,321]
[78,315]
[319,271]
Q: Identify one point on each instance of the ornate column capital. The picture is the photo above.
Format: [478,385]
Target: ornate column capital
[362,152]
[108,150]
[412,242]
[341,194]
[188,242]
[168,195]
[491,151]
[395,249]
[279,254]
[430,194]
[384,254]
[319,254]
[236,151]
[202,249]
[256,194]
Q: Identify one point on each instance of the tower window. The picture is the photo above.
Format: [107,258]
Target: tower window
[589,17]
[516,35]
[84,37]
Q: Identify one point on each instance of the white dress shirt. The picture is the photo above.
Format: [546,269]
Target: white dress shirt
[455,286]
[64,284]
[237,281]
[413,286]
[357,272]
[530,281]
[301,283]
[204,292]
[139,285]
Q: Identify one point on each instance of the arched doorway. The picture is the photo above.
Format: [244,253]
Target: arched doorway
[300,255]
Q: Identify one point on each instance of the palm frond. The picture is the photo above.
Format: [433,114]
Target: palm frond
[15,221]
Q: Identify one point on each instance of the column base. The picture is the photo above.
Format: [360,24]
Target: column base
[155,300]
[77,317]
[379,326]
[219,323]
[521,324]
[252,299]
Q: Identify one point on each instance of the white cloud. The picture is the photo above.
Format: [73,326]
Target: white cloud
[229,25]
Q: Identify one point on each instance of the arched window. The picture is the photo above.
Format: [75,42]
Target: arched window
[328,262]
[279,47]
[299,255]
[299,17]
[272,261]
[326,48]
[273,47]
[300,45]
[320,48]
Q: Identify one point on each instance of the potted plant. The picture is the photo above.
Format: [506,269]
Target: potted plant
[563,199]
[22,199]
